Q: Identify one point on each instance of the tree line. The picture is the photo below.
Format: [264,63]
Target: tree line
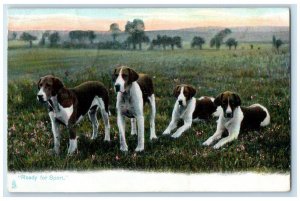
[136,38]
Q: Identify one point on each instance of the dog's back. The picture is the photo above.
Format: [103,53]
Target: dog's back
[146,85]
[255,116]
[86,93]
[205,108]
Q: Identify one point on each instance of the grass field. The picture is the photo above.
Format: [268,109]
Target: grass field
[257,75]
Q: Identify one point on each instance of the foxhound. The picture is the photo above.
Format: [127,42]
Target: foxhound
[189,109]
[234,117]
[68,107]
[133,91]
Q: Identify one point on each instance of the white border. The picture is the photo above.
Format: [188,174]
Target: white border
[211,2]
[138,181]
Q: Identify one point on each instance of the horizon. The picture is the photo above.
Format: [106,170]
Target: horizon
[155,19]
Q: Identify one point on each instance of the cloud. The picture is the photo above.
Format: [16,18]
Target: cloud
[157,19]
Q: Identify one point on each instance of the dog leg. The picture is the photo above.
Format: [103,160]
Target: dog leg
[187,124]
[152,118]
[72,141]
[173,123]
[133,126]
[93,118]
[121,126]
[140,122]
[105,117]
[56,133]
[233,134]
[217,135]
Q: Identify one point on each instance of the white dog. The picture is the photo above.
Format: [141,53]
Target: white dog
[234,117]
[133,91]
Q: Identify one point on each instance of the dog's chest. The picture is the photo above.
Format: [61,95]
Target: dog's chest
[127,106]
[61,113]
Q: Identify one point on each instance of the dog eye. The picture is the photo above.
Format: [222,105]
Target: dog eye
[47,85]
[124,75]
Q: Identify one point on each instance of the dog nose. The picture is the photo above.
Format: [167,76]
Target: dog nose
[228,114]
[117,87]
[40,97]
[180,102]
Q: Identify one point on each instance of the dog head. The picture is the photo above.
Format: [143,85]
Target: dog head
[48,86]
[184,93]
[229,101]
[123,77]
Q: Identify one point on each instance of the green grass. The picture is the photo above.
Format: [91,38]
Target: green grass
[211,71]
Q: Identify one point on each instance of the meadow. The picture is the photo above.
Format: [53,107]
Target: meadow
[258,75]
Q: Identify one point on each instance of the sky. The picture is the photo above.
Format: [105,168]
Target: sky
[99,19]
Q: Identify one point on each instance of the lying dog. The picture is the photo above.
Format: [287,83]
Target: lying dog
[234,117]
[133,91]
[68,106]
[189,109]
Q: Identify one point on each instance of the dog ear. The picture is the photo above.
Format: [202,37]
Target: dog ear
[57,85]
[218,99]
[176,91]
[133,76]
[38,83]
[113,77]
[237,99]
[192,91]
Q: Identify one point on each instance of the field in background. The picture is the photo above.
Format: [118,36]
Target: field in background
[257,75]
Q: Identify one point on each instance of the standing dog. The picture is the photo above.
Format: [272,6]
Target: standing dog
[234,117]
[68,106]
[189,109]
[133,91]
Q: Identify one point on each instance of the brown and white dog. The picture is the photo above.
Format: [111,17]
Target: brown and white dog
[234,117]
[133,91]
[67,106]
[189,109]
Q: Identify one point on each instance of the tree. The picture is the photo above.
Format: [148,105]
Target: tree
[14,36]
[115,30]
[231,42]
[28,37]
[91,36]
[235,44]
[54,38]
[176,41]
[136,29]
[277,43]
[217,40]
[197,41]
[78,35]
[156,42]
[165,41]
[43,39]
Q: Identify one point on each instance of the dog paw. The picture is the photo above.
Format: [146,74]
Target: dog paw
[166,132]
[94,136]
[153,137]
[139,149]
[107,139]
[53,152]
[133,133]
[217,146]
[207,142]
[176,135]
[72,146]
[124,148]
